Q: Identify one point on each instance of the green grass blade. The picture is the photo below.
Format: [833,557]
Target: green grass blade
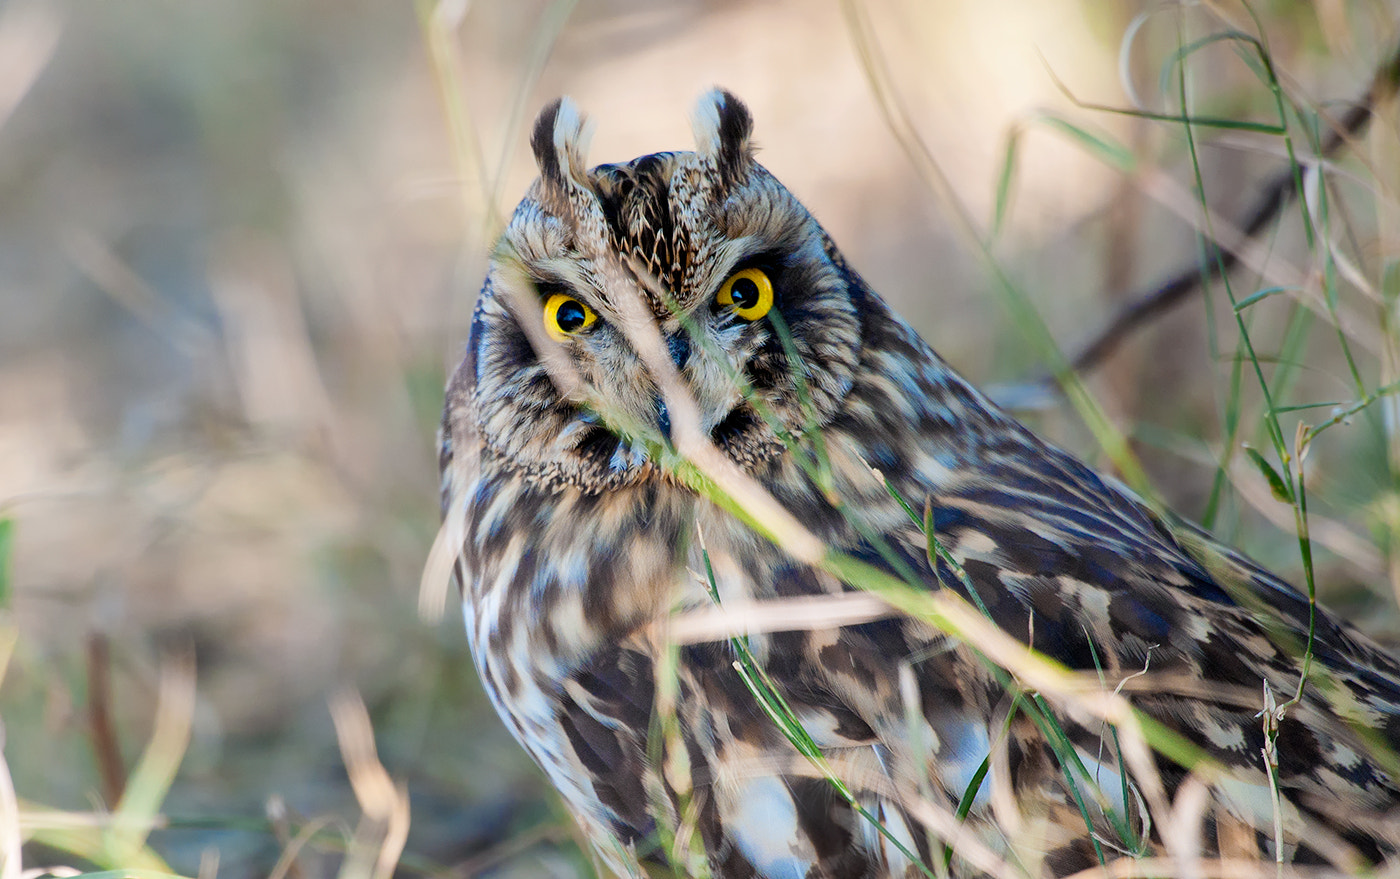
[150,781]
[7,545]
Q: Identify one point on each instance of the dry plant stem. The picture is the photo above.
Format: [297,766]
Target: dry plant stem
[547,34]
[1385,80]
[435,584]
[900,123]
[1244,250]
[440,33]
[807,613]
[115,277]
[1120,259]
[32,819]
[436,581]
[1210,868]
[380,839]
[1185,824]
[639,328]
[138,809]
[955,833]
[1388,227]
[10,836]
[209,863]
[107,752]
[1350,546]
[504,851]
[551,353]
[1034,330]
[29,33]
[287,866]
[940,821]
[1275,194]
[275,810]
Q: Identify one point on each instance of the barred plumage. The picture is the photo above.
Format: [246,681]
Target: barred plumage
[582,538]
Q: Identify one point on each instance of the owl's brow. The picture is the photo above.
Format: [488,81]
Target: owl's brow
[562,272]
[741,253]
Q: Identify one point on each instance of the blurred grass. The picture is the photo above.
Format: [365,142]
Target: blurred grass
[238,250]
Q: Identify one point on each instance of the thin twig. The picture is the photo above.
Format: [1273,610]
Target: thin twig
[1276,193]
[106,749]
[801,614]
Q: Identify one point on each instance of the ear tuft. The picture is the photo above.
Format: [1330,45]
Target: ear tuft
[722,126]
[542,142]
[560,143]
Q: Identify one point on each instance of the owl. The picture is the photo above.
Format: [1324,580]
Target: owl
[670,355]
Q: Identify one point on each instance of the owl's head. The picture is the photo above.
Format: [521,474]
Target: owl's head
[702,256]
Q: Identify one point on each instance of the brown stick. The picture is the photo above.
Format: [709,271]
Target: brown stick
[106,749]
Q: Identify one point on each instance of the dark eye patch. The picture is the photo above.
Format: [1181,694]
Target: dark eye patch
[772,263]
[547,287]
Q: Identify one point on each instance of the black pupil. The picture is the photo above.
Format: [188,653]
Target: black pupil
[570,316]
[744,292]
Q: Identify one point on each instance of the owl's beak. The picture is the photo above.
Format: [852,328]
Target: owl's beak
[678,344]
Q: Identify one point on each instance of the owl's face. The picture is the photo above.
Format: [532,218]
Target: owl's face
[704,256]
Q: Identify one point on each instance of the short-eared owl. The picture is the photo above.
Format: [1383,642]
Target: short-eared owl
[631,309]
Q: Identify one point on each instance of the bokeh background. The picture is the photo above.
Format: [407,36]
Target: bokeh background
[239,246]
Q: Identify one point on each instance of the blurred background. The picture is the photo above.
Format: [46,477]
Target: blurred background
[239,245]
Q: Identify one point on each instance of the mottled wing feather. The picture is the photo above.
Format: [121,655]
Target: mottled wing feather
[606,713]
[1090,577]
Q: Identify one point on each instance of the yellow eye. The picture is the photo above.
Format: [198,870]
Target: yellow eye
[748,293]
[564,316]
